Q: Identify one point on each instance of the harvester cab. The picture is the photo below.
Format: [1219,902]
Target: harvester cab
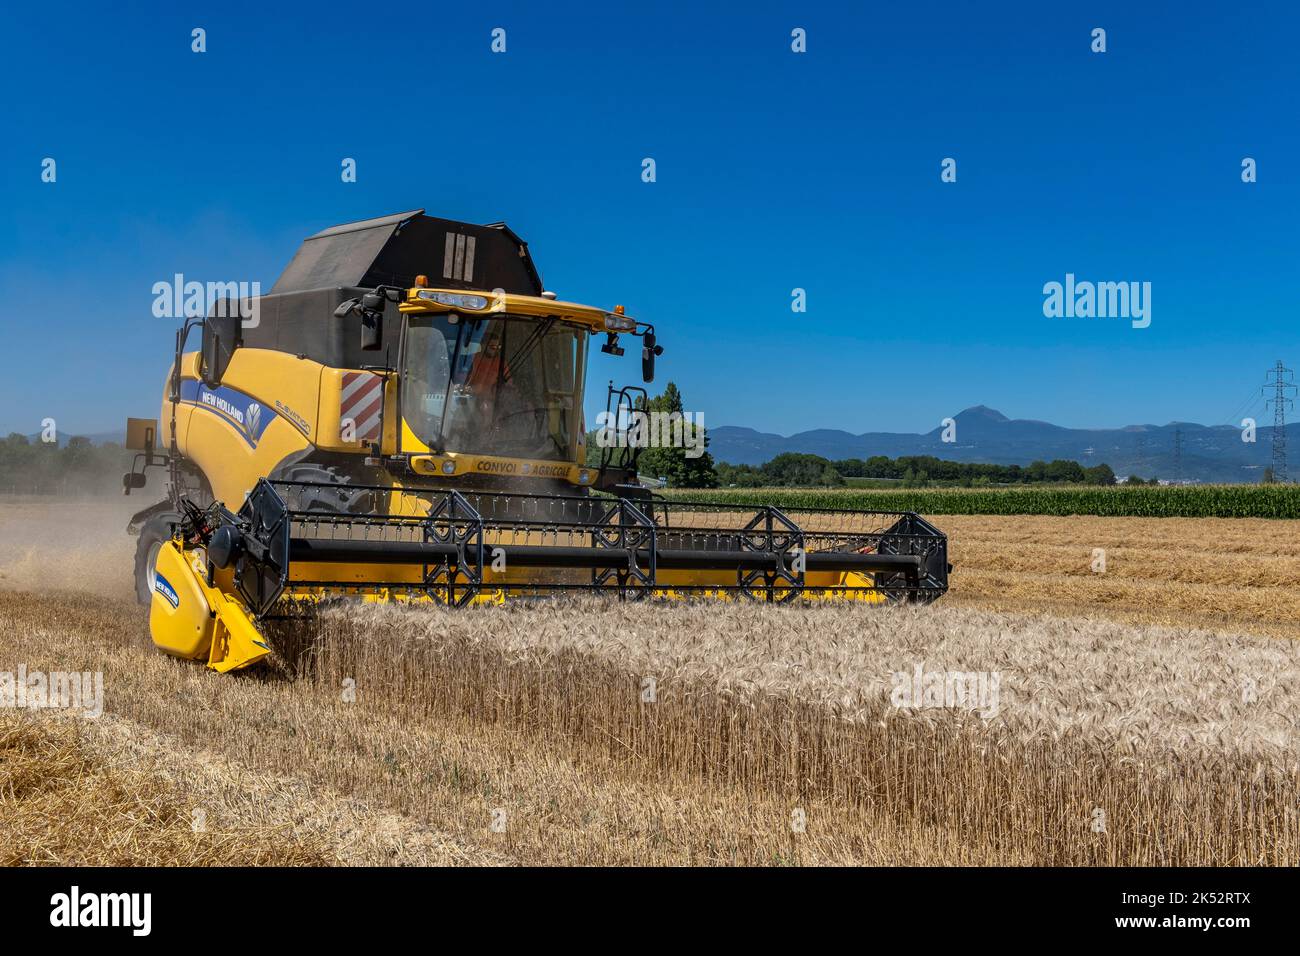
[401,418]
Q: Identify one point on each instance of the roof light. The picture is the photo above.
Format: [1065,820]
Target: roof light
[421,281]
[457,300]
[449,468]
[617,322]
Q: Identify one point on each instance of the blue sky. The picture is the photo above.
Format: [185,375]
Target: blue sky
[775,170]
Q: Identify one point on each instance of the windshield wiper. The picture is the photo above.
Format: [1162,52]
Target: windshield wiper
[439,442]
[525,350]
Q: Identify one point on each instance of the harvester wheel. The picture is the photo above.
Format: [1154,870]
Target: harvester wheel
[155,532]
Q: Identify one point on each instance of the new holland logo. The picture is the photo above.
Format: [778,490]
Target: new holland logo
[221,404]
[161,585]
[245,415]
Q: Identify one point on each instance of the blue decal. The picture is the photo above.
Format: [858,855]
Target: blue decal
[161,585]
[249,417]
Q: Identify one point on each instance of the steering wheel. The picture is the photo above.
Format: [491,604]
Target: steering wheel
[538,413]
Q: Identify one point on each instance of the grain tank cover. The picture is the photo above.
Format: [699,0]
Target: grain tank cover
[393,250]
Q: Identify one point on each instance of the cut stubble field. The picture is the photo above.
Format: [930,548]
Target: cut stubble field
[1238,574]
[1146,715]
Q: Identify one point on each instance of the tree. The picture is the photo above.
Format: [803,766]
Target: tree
[79,467]
[742,476]
[1065,471]
[1099,475]
[792,469]
[79,453]
[673,463]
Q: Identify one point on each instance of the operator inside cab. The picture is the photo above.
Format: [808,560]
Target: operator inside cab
[511,386]
[483,381]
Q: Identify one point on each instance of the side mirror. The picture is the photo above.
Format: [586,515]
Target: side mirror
[132,479]
[372,331]
[222,335]
[648,352]
[371,307]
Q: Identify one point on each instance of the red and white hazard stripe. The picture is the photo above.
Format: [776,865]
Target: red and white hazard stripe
[361,402]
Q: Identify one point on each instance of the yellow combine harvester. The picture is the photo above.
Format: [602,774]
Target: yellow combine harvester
[400,418]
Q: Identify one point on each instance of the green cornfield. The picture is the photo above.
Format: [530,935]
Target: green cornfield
[1169,501]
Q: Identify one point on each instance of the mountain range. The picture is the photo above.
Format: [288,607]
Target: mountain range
[1211,453]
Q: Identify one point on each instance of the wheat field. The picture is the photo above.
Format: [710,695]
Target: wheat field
[1238,574]
[1127,731]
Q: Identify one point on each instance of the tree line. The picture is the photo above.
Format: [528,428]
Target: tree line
[793,469]
[78,467]
[798,470]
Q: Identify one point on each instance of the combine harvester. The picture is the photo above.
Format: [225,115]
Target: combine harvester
[400,418]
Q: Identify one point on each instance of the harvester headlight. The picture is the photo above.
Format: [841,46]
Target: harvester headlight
[449,468]
[584,476]
[457,300]
[619,323]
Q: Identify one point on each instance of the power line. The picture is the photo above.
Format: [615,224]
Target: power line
[1280,382]
[1251,402]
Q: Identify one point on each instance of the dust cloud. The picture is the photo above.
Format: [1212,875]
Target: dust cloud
[64,544]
